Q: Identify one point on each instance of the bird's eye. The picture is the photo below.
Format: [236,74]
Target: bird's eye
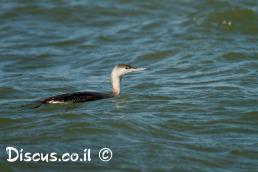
[127,67]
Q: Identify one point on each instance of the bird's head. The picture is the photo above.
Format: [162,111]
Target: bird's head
[122,69]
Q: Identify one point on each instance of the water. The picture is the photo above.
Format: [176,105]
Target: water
[194,109]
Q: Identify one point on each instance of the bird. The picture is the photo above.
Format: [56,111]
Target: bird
[116,75]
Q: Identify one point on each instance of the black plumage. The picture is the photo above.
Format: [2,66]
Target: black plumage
[76,97]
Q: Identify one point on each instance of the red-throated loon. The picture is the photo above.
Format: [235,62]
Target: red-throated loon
[116,75]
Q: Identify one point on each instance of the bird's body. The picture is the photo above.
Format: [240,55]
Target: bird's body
[116,74]
[75,97]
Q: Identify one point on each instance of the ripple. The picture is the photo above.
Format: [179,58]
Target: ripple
[160,55]
[7,91]
[238,56]
[233,20]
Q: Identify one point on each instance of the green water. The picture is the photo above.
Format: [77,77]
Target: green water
[193,109]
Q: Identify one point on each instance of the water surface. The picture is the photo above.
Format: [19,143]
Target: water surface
[194,109]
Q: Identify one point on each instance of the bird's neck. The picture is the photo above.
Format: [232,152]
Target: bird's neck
[115,82]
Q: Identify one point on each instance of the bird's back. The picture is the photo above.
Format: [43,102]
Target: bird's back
[75,97]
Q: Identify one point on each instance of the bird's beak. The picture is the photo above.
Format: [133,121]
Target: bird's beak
[137,69]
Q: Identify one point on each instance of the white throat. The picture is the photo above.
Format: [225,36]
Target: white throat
[116,74]
[115,82]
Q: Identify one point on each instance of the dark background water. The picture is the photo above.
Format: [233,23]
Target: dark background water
[194,109]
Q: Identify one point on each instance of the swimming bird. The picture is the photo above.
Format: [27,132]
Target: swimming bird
[116,76]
